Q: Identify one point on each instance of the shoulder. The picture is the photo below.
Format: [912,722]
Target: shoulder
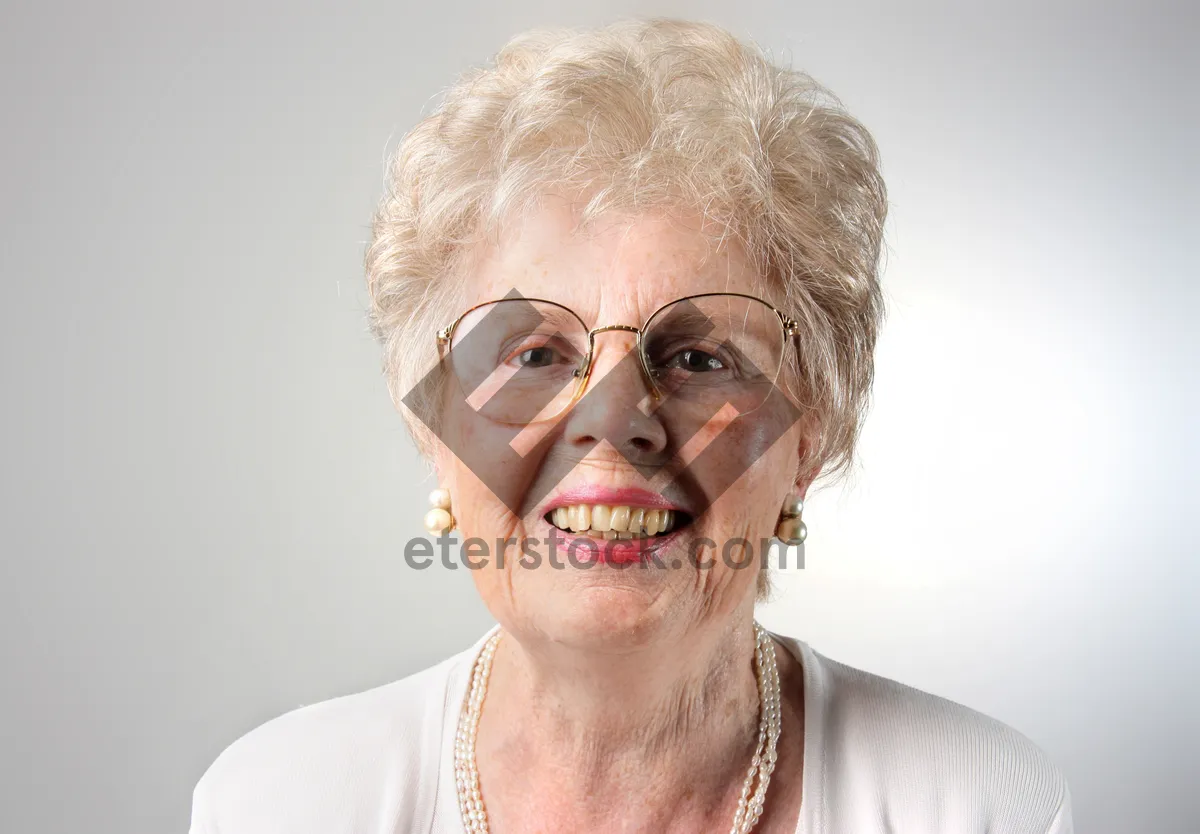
[333,766]
[893,753]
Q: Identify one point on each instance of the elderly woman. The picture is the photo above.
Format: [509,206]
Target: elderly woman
[626,281]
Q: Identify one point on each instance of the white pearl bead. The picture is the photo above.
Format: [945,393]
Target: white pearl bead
[438,521]
[792,531]
[793,506]
[439,499]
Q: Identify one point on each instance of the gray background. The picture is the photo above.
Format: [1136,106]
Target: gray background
[206,492]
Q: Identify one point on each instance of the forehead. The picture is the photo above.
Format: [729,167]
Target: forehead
[621,267]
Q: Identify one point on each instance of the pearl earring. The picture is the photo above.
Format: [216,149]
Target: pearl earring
[438,520]
[790,529]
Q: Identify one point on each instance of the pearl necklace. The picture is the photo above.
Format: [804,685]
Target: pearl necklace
[754,790]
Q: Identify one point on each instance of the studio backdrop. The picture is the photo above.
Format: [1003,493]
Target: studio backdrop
[207,490]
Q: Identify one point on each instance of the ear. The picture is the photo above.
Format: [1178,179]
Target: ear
[807,466]
[441,462]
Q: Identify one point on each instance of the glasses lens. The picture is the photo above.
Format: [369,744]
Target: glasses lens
[714,350]
[516,359]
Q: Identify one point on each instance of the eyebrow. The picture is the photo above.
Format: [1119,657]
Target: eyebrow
[689,316]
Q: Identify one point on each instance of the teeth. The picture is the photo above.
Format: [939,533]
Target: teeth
[607,522]
[579,517]
[637,515]
[620,519]
[601,518]
[651,522]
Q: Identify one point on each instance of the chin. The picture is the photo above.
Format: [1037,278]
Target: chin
[614,596]
[605,611]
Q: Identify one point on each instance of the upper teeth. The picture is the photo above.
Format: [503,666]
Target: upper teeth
[613,522]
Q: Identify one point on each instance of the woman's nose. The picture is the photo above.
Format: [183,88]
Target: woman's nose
[610,407]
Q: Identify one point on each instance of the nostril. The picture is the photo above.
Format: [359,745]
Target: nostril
[642,444]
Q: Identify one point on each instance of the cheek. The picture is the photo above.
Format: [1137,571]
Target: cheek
[743,472]
[742,521]
[489,480]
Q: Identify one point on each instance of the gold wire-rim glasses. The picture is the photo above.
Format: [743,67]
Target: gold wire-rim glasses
[445,337]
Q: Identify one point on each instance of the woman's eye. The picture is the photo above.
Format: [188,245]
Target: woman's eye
[538,357]
[695,361]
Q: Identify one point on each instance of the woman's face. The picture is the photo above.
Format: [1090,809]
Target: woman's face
[516,488]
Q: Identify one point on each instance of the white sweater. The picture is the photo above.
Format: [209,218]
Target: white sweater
[879,756]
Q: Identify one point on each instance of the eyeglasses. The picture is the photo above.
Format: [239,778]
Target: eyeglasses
[522,360]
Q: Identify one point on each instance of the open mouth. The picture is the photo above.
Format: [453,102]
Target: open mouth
[621,522]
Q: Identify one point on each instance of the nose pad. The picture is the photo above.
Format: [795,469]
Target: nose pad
[608,404]
[584,371]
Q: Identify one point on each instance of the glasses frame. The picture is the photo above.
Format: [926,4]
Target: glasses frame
[791,329]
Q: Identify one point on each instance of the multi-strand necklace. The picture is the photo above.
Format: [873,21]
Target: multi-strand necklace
[754,789]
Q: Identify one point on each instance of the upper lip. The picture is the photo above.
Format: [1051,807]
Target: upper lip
[610,496]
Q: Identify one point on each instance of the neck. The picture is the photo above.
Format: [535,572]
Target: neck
[677,717]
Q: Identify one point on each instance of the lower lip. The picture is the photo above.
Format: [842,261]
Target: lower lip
[610,551]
